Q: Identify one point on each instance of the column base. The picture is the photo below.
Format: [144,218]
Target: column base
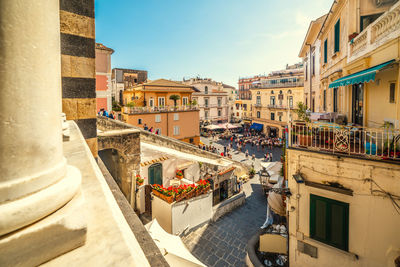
[54,235]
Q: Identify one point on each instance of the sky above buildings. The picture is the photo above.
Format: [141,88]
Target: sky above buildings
[218,39]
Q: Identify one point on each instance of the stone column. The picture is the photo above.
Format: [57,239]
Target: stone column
[35,179]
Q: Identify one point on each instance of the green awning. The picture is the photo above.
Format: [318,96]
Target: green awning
[363,76]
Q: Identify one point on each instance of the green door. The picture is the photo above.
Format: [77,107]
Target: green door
[155,174]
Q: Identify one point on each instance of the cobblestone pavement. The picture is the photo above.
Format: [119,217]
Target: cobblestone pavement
[223,243]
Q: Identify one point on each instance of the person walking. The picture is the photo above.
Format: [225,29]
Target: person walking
[247,154]
[270,156]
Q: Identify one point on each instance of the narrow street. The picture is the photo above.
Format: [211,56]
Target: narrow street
[223,243]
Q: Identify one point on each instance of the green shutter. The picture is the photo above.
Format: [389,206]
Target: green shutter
[329,221]
[326,51]
[337,36]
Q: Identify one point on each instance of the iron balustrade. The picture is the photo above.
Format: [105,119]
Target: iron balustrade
[375,143]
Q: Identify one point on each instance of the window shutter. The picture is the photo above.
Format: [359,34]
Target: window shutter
[337,36]
[326,51]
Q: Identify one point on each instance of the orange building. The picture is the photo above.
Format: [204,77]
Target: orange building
[149,104]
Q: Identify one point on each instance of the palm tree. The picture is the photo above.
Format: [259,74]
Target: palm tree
[174,98]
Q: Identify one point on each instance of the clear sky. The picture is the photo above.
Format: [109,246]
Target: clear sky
[218,39]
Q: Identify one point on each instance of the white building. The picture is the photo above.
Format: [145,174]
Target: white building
[212,99]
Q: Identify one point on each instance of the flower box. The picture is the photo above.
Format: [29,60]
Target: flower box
[206,189]
[190,194]
[180,197]
[168,199]
[156,193]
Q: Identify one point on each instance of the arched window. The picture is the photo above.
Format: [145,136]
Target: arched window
[289,92]
[258,114]
[280,92]
[272,92]
[258,92]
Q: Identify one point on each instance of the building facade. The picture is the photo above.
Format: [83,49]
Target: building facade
[275,98]
[310,53]
[212,100]
[123,79]
[150,104]
[103,77]
[343,180]
[245,84]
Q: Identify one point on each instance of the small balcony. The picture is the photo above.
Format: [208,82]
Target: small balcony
[378,33]
[280,107]
[277,85]
[371,143]
[141,110]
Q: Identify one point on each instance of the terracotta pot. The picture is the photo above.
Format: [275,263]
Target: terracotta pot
[168,199]
[179,177]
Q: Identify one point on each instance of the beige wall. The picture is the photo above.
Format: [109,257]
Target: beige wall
[373,222]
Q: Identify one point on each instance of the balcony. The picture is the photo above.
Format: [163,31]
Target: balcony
[213,106]
[141,110]
[378,33]
[371,143]
[280,107]
[277,85]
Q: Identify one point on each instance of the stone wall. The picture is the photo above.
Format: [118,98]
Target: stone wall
[228,205]
[77,36]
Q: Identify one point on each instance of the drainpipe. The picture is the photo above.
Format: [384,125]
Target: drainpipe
[310,75]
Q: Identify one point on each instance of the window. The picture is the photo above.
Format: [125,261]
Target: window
[313,64]
[219,113]
[280,92]
[272,116]
[337,36]
[392,96]
[176,130]
[272,92]
[326,51]
[158,118]
[306,72]
[289,92]
[335,99]
[176,116]
[185,101]
[280,118]
[324,100]
[206,89]
[272,100]
[329,221]
[206,102]
[219,101]
[191,140]
[151,102]
[245,106]
[139,121]
[367,20]
[161,101]
[258,114]
[206,115]
[258,100]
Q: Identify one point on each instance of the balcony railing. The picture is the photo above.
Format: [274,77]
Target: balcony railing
[375,143]
[138,110]
[277,85]
[381,31]
[213,106]
[280,107]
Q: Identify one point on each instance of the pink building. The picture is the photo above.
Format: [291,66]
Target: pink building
[103,77]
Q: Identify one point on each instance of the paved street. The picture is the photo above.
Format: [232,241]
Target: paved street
[224,242]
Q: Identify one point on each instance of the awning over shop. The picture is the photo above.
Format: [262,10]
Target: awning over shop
[256,126]
[213,127]
[363,76]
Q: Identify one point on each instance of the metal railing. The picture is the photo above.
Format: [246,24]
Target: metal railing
[277,85]
[137,110]
[375,143]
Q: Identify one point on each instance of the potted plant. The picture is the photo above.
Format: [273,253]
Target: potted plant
[179,174]
[175,98]
[139,180]
[179,193]
[252,172]
[189,189]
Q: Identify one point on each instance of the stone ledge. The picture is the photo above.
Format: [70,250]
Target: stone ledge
[228,205]
[150,249]
[110,241]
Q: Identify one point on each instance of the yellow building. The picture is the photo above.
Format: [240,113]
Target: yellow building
[275,99]
[359,57]
[344,181]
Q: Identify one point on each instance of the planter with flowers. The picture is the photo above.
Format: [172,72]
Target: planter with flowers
[179,174]
[139,180]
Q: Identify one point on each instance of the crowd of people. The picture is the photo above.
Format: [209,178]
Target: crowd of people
[241,143]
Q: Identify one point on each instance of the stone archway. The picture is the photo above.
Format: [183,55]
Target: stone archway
[127,144]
